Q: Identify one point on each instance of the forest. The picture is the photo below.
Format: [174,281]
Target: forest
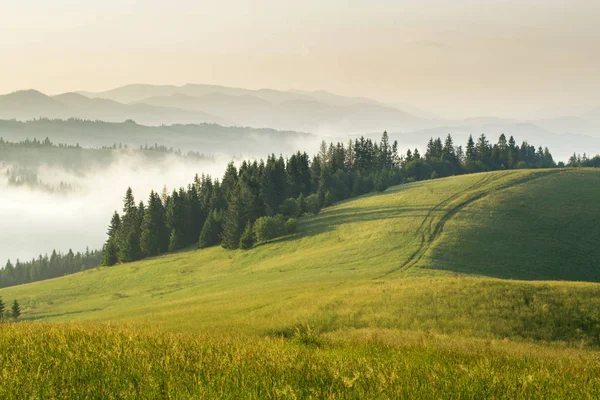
[48,267]
[260,200]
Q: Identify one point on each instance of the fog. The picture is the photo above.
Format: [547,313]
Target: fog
[35,221]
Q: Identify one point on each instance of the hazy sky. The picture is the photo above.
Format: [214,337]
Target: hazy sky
[521,58]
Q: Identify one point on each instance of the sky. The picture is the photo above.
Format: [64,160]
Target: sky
[453,58]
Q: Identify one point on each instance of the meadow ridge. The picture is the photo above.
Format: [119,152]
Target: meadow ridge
[417,290]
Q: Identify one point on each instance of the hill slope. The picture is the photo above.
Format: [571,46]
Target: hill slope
[380,261]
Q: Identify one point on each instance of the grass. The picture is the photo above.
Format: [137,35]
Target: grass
[417,261]
[74,361]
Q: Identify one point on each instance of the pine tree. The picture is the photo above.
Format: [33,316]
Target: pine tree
[129,236]
[154,237]
[110,253]
[229,180]
[2,309]
[16,310]
[323,160]
[210,231]
[115,224]
[247,238]
[385,152]
[483,150]
[513,153]
[197,216]
[470,151]
[111,249]
[176,220]
[175,240]
[448,152]
[236,217]
[315,174]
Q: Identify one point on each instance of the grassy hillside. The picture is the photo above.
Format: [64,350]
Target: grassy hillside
[388,295]
[385,260]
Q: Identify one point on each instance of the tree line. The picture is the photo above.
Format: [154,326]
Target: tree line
[261,200]
[44,267]
[212,211]
[578,160]
[156,148]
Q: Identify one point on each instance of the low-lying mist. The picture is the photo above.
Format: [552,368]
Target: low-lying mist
[36,220]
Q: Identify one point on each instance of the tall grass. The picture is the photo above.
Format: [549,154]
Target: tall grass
[93,361]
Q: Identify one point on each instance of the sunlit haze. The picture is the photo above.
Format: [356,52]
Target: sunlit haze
[456,59]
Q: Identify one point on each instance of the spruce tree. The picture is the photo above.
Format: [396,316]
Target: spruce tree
[196,217]
[16,310]
[111,249]
[470,151]
[175,240]
[210,231]
[235,217]
[110,253]
[155,235]
[176,220]
[129,236]
[247,238]
[483,150]
[229,180]
[448,152]
[2,309]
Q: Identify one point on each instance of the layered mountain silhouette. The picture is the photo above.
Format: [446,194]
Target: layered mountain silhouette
[318,112]
[290,110]
[31,104]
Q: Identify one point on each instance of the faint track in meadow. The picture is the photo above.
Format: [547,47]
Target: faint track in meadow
[433,231]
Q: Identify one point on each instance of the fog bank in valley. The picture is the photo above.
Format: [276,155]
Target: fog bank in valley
[37,221]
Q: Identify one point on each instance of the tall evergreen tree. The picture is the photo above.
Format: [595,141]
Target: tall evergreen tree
[155,234]
[470,153]
[513,153]
[211,231]
[483,150]
[236,217]
[16,310]
[448,152]
[197,216]
[247,238]
[2,309]
[229,180]
[129,236]
[111,249]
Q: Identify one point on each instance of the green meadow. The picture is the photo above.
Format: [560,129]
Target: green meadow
[476,286]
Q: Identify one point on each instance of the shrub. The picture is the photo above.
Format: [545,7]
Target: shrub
[265,229]
[290,208]
[291,226]
[313,204]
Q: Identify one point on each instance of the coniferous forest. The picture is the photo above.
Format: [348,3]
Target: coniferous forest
[260,200]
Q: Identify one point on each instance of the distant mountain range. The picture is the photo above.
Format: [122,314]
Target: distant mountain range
[318,112]
[30,104]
